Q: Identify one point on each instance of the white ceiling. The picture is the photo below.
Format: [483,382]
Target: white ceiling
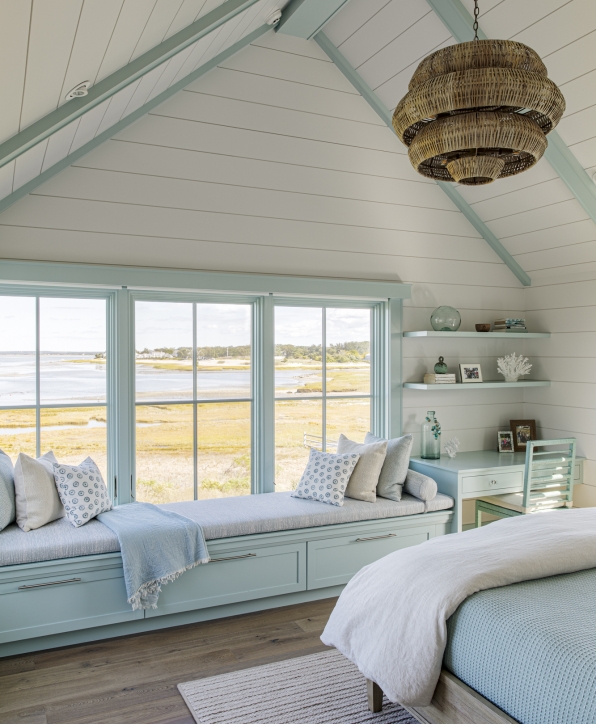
[533,214]
[58,44]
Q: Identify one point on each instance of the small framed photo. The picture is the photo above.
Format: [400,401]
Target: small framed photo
[505,441]
[523,431]
[470,372]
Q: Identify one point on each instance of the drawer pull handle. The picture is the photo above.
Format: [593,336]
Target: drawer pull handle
[51,583]
[493,482]
[233,558]
[376,537]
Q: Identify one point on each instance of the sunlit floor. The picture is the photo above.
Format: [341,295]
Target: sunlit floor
[132,680]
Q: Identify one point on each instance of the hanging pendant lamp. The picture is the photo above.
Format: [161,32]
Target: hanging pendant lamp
[478,111]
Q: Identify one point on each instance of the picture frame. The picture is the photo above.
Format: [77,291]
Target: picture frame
[523,430]
[505,441]
[470,372]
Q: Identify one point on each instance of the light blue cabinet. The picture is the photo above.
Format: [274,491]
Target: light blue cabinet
[236,575]
[45,599]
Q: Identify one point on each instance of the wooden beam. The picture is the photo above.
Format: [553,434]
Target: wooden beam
[54,121]
[305,18]
[385,114]
[127,120]
[458,21]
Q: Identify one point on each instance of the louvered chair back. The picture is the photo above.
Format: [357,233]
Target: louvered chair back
[548,476]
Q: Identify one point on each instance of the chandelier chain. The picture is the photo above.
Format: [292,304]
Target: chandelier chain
[476,14]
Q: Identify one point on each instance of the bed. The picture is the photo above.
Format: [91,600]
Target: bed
[519,645]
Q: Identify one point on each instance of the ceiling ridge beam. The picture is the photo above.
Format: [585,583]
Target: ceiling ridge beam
[66,113]
[458,21]
[127,120]
[385,114]
[305,18]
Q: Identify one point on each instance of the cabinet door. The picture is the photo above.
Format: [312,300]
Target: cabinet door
[74,600]
[333,561]
[236,575]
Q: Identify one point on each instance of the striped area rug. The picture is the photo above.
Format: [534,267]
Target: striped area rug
[322,688]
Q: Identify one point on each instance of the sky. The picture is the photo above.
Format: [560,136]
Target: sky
[79,325]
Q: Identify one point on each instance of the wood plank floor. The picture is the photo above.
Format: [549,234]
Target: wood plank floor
[132,680]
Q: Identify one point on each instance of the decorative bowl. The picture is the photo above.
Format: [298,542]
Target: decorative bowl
[482,327]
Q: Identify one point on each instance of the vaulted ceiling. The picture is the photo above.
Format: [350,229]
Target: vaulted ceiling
[136,52]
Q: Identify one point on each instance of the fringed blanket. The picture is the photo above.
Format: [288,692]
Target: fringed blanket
[156,545]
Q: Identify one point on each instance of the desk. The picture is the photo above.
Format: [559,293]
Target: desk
[474,474]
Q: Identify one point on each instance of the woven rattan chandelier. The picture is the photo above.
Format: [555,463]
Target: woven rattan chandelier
[478,111]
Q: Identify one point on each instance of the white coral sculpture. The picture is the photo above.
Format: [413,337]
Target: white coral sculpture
[513,366]
[452,446]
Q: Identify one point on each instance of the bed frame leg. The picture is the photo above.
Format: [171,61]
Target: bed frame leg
[375,696]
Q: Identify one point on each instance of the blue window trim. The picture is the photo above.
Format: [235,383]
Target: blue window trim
[122,286]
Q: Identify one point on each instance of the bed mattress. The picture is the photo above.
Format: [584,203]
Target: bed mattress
[530,648]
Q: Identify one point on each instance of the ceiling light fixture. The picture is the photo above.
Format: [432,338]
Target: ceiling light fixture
[478,111]
[80,90]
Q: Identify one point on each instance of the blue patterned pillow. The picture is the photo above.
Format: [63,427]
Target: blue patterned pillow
[82,491]
[326,477]
[7,502]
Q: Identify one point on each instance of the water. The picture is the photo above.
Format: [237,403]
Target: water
[77,379]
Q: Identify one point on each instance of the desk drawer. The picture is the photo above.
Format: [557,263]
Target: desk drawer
[333,561]
[236,575]
[69,601]
[492,483]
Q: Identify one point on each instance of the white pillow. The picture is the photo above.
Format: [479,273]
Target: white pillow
[326,477]
[420,486]
[365,478]
[82,491]
[36,498]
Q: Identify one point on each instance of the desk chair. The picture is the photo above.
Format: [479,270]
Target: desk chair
[548,482]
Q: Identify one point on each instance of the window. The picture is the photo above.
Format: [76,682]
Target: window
[181,394]
[53,377]
[319,395]
[193,384]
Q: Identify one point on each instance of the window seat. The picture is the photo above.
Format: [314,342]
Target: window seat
[219,518]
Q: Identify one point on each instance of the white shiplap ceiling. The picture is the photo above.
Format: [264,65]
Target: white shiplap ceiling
[46,48]
[533,214]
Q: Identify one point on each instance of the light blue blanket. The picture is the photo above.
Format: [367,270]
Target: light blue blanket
[157,546]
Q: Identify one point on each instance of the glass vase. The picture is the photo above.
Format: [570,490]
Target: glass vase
[431,437]
[445,319]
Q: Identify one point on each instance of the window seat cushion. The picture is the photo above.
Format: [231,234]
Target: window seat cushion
[219,517]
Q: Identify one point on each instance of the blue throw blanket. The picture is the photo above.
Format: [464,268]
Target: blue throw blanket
[156,545]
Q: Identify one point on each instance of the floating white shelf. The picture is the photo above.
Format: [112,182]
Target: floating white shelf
[477,385]
[491,335]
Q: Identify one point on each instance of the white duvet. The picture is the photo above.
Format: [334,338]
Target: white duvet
[391,618]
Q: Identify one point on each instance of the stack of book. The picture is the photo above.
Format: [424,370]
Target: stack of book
[434,379]
[510,325]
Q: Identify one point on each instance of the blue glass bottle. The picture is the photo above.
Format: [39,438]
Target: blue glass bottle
[431,437]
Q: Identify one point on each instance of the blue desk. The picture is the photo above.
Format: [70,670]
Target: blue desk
[474,474]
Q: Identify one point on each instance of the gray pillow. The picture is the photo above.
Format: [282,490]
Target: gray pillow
[365,478]
[395,467]
[420,486]
[7,504]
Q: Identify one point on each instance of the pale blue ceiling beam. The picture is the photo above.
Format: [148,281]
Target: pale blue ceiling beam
[305,18]
[71,110]
[458,21]
[385,114]
[131,118]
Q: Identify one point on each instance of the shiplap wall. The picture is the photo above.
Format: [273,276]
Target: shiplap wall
[273,163]
[566,306]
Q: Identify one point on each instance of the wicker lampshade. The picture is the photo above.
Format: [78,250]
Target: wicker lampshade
[478,111]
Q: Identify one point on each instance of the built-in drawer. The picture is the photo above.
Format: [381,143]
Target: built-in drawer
[493,482]
[71,600]
[333,561]
[236,575]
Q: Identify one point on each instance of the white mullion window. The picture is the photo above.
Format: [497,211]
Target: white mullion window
[323,368]
[54,384]
[193,398]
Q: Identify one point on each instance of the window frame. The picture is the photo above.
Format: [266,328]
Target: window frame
[263,292]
